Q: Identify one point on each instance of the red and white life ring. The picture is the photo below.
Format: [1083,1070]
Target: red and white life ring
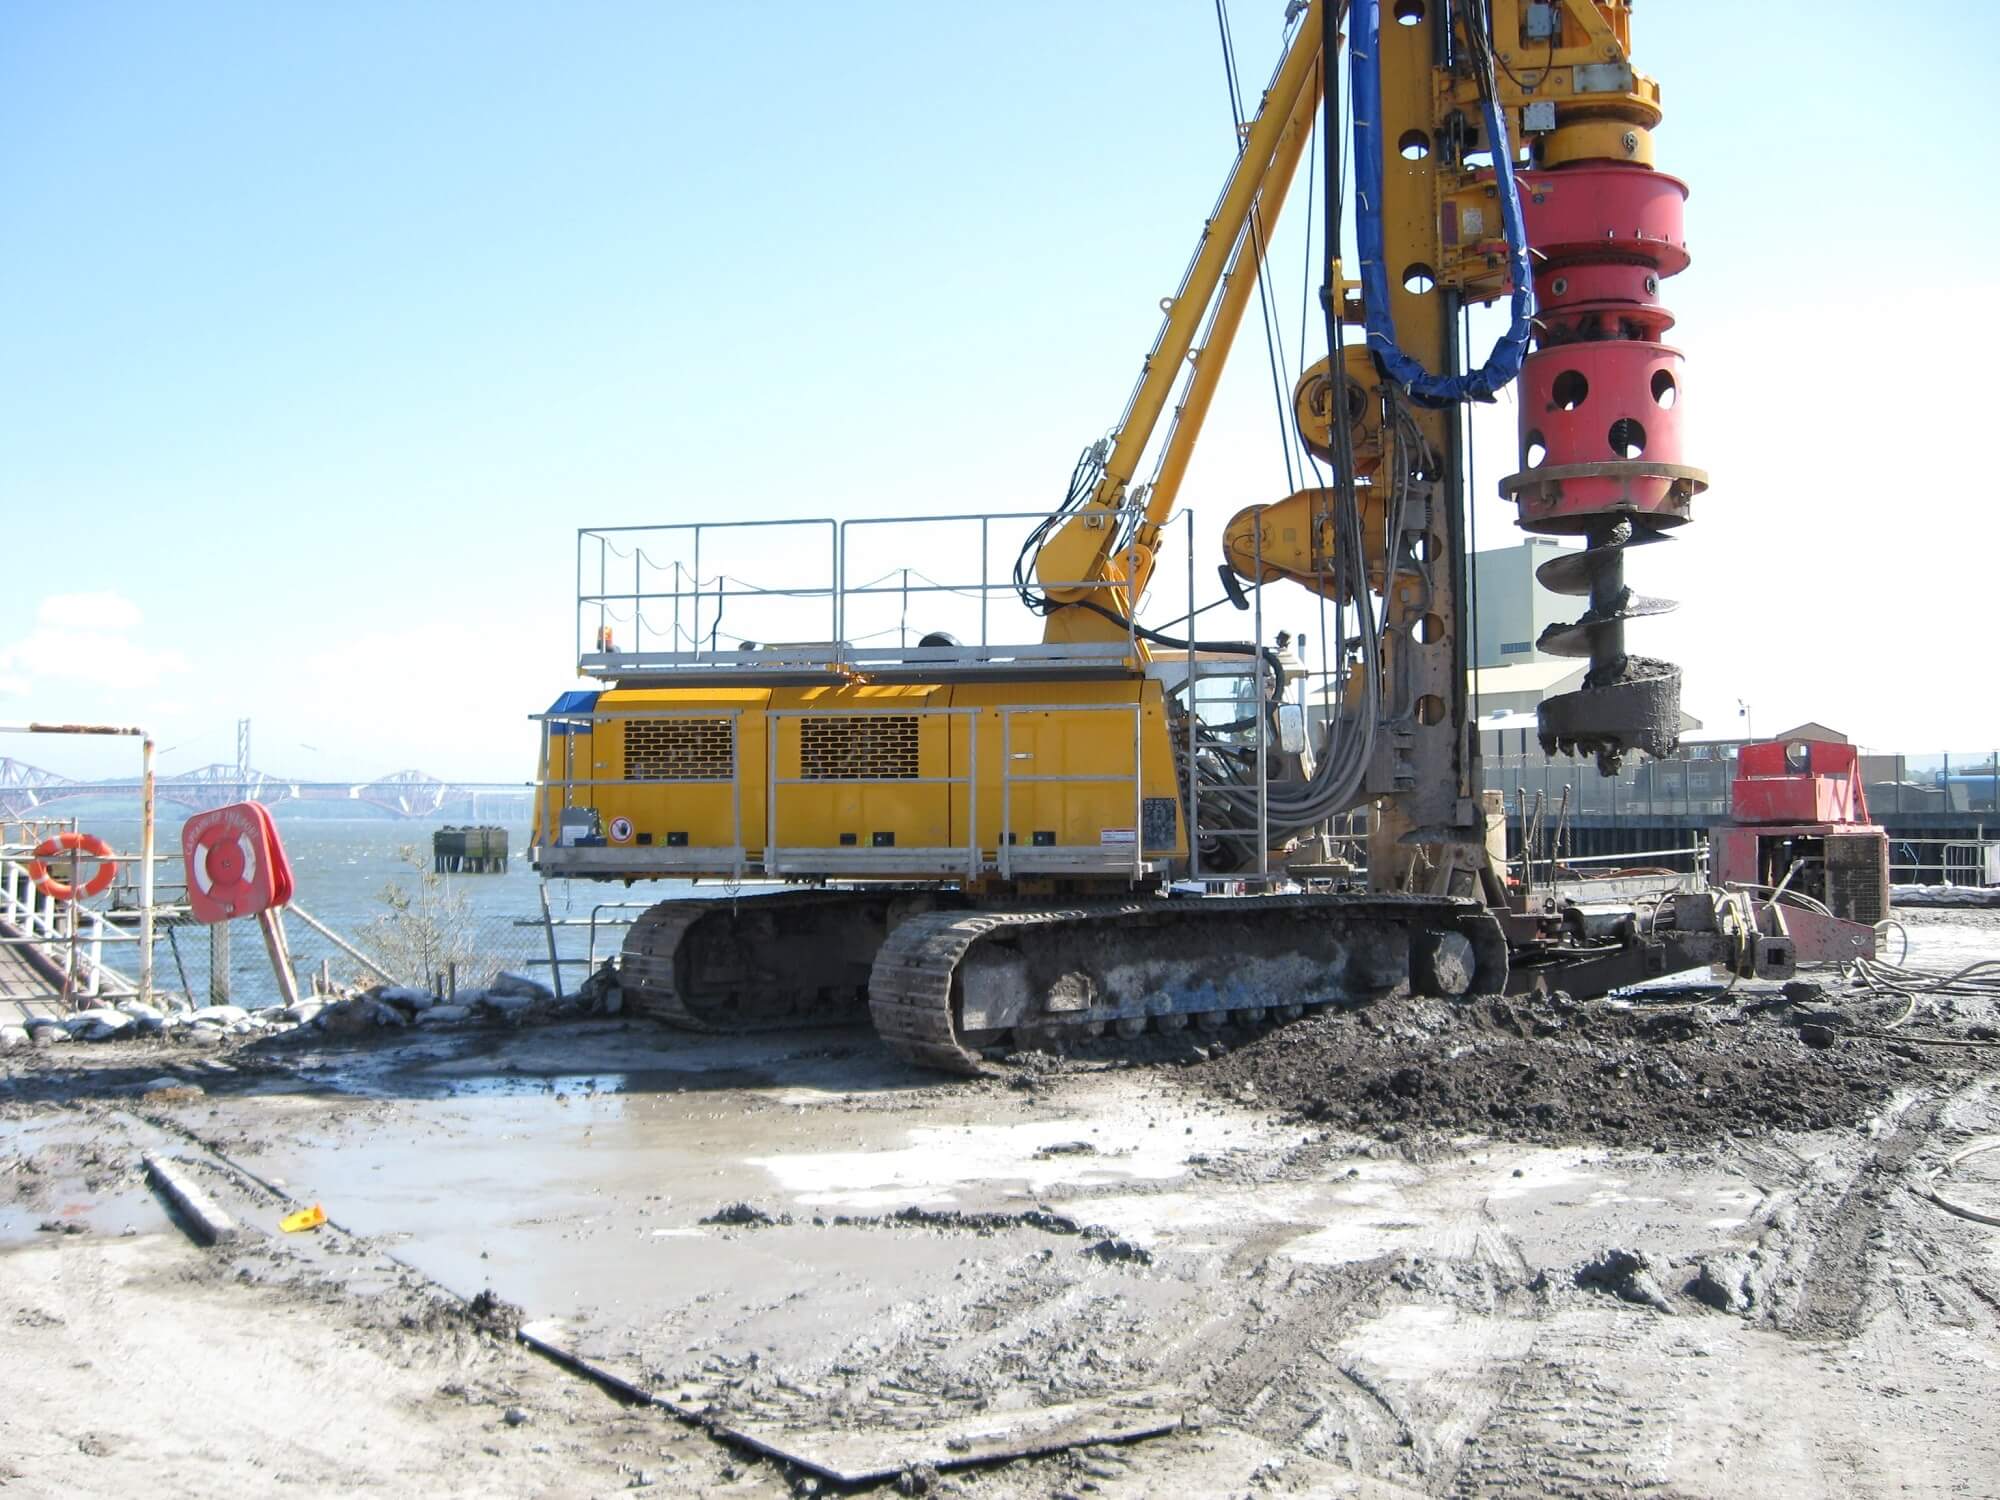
[236,866]
[223,866]
[72,843]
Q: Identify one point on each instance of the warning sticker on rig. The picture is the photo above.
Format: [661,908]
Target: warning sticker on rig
[1117,836]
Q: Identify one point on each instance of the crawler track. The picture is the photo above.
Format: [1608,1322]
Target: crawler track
[948,984]
[762,962]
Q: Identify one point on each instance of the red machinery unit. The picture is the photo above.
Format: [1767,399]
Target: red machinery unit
[1807,781]
[1799,826]
[1601,452]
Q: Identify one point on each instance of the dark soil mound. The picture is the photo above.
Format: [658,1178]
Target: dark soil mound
[1552,1070]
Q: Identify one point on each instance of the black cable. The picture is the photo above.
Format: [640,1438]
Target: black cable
[1350,562]
[1332,649]
[1196,613]
[1257,242]
[1229,66]
[1173,643]
[1338,430]
[1472,535]
[1273,345]
[1548,59]
[1329,294]
[1305,280]
[1083,481]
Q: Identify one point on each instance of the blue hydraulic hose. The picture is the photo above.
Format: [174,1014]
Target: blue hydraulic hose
[1504,363]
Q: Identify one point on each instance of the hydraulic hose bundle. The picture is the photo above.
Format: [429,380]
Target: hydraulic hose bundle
[1504,363]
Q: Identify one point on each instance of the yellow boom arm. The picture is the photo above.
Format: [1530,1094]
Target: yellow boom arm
[1082,561]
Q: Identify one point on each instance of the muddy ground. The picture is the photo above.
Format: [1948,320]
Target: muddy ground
[1688,1245]
[1672,1072]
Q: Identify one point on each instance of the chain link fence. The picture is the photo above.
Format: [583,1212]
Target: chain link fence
[452,951]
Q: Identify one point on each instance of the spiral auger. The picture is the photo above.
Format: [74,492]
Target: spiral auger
[1601,430]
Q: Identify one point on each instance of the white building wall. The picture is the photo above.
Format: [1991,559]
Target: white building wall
[1513,609]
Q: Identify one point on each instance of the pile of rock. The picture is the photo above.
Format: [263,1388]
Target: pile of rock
[511,998]
[130,1020]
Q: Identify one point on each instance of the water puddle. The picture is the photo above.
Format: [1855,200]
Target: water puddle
[515,1085]
[608,1058]
[937,1165]
[70,1176]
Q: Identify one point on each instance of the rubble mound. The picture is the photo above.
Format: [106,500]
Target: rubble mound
[1552,1070]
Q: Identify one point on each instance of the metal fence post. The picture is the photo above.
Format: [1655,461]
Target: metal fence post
[1263,713]
[1194,721]
[549,930]
[971,789]
[1006,833]
[218,963]
[695,603]
[146,805]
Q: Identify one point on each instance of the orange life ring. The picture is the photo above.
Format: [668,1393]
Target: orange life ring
[74,843]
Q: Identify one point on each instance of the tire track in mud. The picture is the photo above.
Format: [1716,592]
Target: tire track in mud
[1558,1429]
[1568,1418]
[1288,1381]
[1841,1267]
[1300,1325]
[1322,1370]
[1598,1405]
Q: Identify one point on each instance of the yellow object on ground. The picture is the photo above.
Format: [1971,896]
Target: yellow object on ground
[305,1218]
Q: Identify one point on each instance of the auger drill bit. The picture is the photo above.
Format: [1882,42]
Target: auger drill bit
[1626,702]
[1601,435]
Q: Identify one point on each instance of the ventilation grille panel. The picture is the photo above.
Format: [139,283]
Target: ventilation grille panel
[1857,876]
[679,750]
[859,747]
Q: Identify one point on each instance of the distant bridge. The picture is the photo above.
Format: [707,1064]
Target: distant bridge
[26,789]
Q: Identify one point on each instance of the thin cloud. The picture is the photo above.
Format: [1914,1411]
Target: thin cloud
[85,638]
[102,610]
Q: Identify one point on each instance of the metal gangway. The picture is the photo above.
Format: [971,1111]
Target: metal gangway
[52,948]
[52,951]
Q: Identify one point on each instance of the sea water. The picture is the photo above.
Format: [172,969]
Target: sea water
[349,873]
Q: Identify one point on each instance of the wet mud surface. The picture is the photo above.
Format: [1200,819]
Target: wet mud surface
[1678,1247]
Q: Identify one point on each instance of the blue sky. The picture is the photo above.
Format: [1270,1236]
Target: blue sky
[325,327]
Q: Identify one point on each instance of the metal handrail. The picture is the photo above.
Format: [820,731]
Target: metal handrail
[985,587]
[695,530]
[836,650]
[64,934]
[1636,857]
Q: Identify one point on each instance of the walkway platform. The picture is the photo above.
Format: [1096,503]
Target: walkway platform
[24,989]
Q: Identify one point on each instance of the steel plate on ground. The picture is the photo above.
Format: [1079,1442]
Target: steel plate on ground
[857,1455]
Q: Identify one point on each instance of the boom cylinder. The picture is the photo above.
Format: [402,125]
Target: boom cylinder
[1601,455]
